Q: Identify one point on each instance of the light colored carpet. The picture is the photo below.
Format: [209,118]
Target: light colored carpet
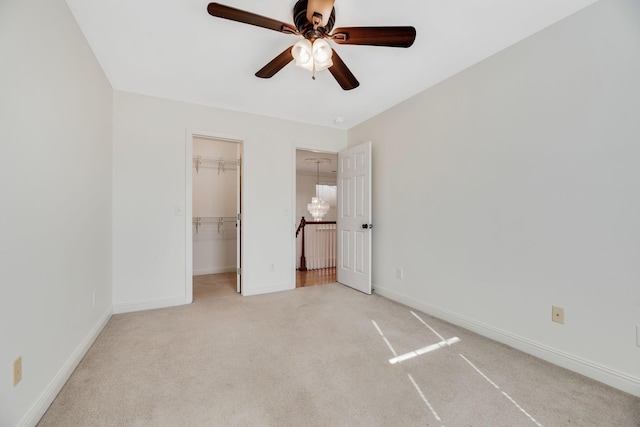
[314,357]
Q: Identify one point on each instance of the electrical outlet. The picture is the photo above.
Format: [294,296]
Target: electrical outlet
[638,335]
[273,267]
[557,314]
[17,371]
[400,273]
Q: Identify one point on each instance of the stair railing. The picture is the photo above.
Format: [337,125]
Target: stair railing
[320,246]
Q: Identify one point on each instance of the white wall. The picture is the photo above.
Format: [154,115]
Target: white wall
[215,194]
[55,221]
[520,184]
[149,261]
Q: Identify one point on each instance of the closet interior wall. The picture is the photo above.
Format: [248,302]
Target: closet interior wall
[215,192]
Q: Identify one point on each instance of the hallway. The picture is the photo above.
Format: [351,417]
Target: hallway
[315,277]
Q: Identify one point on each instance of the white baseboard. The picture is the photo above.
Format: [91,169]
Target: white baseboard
[214,270]
[611,377]
[43,402]
[128,307]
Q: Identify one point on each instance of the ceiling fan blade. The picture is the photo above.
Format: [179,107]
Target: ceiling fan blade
[277,64]
[342,74]
[233,14]
[375,36]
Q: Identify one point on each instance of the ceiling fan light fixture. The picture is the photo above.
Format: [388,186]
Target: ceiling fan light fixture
[303,54]
[322,53]
[312,56]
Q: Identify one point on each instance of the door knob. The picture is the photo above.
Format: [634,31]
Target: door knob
[365,226]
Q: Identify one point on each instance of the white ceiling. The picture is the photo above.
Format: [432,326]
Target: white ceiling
[174,49]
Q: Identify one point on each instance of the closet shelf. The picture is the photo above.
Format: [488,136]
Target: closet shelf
[200,221]
[221,163]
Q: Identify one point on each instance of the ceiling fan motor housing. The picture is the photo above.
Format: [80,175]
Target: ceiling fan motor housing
[305,27]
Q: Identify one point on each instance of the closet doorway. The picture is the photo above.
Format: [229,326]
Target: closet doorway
[316,239]
[216,185]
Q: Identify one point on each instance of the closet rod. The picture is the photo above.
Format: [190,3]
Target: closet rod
[221,162]
[215,218]
[210,220]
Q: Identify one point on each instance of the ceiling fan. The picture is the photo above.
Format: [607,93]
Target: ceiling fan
[314,20]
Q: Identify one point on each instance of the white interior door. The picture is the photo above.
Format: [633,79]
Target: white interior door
[239,221]
[354,217]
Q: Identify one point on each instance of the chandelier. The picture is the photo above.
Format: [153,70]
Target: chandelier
[318,207]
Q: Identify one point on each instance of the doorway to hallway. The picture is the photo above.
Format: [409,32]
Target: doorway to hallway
[316,214]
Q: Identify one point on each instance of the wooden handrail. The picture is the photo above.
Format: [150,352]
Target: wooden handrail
[303,260]
[303,224]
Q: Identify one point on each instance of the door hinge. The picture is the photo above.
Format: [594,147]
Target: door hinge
[239,162]
[240,271]
[239,217]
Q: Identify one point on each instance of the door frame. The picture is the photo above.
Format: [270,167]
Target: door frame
[188,211]
[294,201]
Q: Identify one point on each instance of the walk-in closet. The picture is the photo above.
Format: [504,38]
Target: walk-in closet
[216,195]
